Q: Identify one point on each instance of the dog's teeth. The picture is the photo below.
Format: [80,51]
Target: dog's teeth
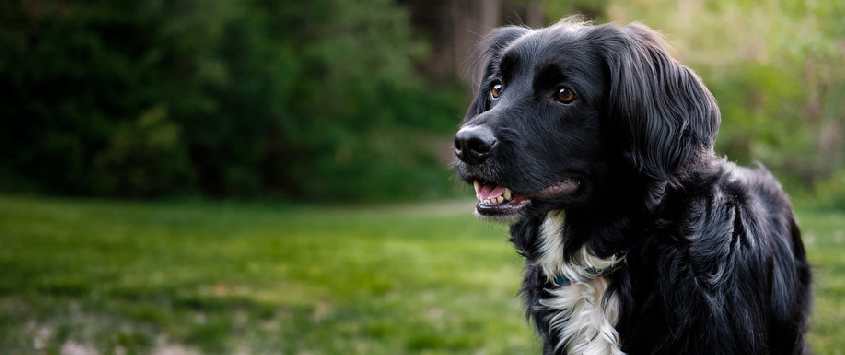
[500,199]
[478,196]
[508,194]
[476,184]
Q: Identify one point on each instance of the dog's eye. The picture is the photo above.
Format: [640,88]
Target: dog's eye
[566,95]
[496,91]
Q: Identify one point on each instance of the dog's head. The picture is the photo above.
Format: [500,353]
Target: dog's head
[567,113]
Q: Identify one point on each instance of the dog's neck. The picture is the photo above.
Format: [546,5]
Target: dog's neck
[556,238]
[583,267]
[581,317]
[638,202]
[581,314]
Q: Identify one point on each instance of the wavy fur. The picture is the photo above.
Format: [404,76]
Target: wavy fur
[713,258]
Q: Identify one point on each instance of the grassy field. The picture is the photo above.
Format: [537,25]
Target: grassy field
[86,277]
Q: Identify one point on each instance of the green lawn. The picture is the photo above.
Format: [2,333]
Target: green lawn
[115,277]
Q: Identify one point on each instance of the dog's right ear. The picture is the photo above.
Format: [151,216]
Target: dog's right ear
[485,59]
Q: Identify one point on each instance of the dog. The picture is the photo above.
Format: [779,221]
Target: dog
[596,147]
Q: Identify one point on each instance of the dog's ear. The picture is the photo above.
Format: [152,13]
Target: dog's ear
[484,60]
[665,119]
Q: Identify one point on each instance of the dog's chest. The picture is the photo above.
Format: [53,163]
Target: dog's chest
[581,316]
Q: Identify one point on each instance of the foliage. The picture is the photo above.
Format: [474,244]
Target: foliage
[324,100]
[144,158]
[775,67]
[232,98]
[221,278]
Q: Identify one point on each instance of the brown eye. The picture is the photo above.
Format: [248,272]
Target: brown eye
[566,95]
[496,91]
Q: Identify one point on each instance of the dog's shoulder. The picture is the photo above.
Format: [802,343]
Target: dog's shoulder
[725,192]
[709,258]
[748,202]
[725,212]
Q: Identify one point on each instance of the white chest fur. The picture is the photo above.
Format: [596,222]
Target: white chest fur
[582,316]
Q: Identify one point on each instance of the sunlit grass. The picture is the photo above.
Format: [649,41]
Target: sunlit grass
[222,278]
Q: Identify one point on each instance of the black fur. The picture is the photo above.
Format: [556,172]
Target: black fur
[715,262]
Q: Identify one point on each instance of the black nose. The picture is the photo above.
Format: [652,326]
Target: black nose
[474,143]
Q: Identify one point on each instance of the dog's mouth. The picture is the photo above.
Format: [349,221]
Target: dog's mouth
[495,200]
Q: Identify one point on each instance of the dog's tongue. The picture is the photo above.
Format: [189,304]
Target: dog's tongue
[489,191]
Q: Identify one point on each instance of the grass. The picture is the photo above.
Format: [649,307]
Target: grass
[124,278]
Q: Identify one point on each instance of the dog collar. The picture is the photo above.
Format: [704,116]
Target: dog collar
[561,280]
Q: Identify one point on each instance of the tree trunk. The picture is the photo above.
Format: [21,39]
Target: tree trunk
[472,20]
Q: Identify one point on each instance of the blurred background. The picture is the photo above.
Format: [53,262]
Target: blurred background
[336,100]
[272,177]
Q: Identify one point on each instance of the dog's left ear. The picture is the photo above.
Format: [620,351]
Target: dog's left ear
[665,119]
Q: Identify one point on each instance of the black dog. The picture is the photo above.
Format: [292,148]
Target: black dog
[597,147]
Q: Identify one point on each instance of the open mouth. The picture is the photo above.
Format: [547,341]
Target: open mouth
[496,200]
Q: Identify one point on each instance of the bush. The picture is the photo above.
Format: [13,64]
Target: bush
[145,158]
[219,97]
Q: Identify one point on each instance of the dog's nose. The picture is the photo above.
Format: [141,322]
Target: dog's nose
[474,143]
